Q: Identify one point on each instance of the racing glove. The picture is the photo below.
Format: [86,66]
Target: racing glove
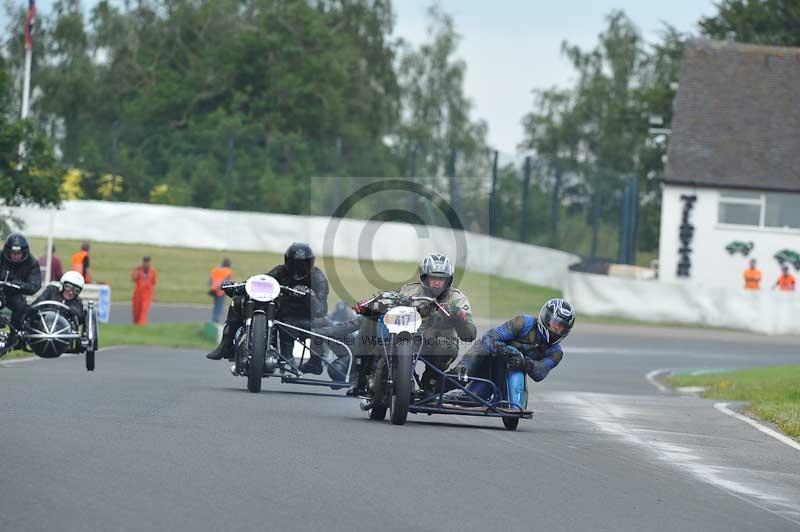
[305,291]
[361,307]
[453,312]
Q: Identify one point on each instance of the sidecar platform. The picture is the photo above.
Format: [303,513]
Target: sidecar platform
[474,406]
[288,370]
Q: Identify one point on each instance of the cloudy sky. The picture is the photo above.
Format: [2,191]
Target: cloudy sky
[513,46]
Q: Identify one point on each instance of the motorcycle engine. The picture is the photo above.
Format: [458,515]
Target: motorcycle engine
[270,361]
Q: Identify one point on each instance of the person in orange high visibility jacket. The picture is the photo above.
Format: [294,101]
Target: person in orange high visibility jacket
[80,263]
[786,282]
[144,279]
[219,274]
[752,277]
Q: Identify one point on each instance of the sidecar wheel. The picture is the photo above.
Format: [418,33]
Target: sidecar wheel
[511,423]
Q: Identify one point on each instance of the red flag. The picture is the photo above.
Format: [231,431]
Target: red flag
[29,23]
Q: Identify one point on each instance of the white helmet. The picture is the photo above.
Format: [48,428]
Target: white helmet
[74,278]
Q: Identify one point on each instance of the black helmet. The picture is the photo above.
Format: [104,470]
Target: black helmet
[436,265]
[14,243]
[555,313]
[299,260]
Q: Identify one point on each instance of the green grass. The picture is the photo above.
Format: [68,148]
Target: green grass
[183,276]
[162,334]
[773,393]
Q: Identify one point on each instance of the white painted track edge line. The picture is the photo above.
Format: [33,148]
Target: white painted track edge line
[66,355]
[651,378]
[723,407]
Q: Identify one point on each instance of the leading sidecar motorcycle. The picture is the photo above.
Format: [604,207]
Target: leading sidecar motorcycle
[395,386]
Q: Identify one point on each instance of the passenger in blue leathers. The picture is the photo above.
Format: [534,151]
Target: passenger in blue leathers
[527,342]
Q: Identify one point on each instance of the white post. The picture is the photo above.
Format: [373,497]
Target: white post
[26,83]
[49,269]
[26,97]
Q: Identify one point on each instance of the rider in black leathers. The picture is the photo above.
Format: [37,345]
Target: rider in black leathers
[305,311]
[18,267]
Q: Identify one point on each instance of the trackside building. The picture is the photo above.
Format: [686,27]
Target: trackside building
[732,184]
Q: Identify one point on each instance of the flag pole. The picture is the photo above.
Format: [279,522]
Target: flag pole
[26,83]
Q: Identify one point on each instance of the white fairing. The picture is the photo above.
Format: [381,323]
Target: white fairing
[262,288]
[402,319]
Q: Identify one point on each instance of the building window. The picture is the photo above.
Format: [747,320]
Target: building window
[740,208]
[783,210]
[772,210]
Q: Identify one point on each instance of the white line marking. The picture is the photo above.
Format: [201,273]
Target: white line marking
[608,416]
[651,378]
[65,355]
[723,407]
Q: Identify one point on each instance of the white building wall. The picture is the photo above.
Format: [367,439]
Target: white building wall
[712,265]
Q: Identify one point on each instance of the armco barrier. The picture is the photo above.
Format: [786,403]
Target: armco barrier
[762,311]
[165,225]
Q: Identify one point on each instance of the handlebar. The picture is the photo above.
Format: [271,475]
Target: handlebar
[231,288]
[10,285]
[401,300]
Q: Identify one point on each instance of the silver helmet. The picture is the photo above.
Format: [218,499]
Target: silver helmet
[438,266]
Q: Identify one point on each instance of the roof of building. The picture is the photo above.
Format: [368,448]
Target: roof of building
[736,121]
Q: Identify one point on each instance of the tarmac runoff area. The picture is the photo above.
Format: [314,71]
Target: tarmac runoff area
[163,439]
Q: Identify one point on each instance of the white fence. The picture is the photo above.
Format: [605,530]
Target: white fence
[164,225]
[762,311]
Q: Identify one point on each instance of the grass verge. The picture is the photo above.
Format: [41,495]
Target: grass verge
[183,276]
[161,334]
[773,393]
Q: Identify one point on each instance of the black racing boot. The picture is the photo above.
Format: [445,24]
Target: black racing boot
[312,365]
[223,350]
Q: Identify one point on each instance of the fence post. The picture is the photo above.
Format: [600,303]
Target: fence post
[633,215]
[622,253]
[493,197]
[556,203]
[595,216]
[453,188]
[229,175]
[526,182]
[337,177]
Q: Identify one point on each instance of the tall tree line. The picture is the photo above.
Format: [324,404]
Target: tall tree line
[237,103]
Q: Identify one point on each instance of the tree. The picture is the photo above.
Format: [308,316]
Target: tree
[597,132]
[770,22]
[29,175]
[145,95]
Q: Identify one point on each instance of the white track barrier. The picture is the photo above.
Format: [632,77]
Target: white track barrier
[165,225]
[762,311]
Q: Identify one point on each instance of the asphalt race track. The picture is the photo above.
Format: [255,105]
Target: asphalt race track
[165,440]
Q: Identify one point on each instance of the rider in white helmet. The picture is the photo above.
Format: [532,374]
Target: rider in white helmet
[67,291]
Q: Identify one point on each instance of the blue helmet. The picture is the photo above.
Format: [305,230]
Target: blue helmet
[555,320]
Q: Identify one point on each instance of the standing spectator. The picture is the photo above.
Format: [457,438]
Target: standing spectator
[217,276]
[56,271]
[80,262]
[752,277]
[144,280]
[786,281]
